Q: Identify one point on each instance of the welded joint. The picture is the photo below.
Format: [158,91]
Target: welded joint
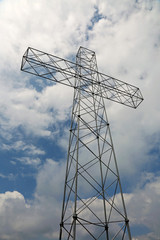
[75,216]
[106,227]
[127,221]
[61,224]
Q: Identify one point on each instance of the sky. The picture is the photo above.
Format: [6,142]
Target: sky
[35,114]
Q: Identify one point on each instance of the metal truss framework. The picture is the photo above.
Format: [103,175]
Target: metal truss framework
[93,204]
[63,71]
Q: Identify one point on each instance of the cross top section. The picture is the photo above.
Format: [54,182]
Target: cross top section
[88,54]
[64,71]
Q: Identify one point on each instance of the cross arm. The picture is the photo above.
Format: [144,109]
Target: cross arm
[63,71]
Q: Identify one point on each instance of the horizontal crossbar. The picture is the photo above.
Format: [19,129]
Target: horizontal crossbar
[63,71]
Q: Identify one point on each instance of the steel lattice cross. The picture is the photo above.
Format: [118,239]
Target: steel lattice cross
[93,204]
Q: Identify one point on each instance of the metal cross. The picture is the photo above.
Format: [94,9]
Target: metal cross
[93,203]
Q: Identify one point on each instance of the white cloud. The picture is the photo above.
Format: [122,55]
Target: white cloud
[21,146]
[37,218]
[10,195]
[29,161]
[9,176]
[50,179]
[11,205]
[143,207]
[127,45]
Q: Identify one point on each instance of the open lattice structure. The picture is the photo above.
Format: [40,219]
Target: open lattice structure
[93,204]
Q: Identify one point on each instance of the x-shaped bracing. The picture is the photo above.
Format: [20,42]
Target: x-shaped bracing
[63,71]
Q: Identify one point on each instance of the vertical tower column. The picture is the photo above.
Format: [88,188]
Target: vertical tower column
[93,205]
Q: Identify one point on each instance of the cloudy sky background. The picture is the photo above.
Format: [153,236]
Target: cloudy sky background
[34,115]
